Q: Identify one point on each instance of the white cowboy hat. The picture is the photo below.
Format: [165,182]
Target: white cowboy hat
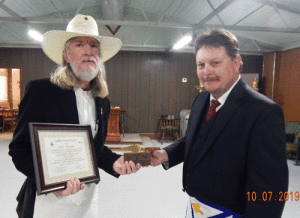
[54,41]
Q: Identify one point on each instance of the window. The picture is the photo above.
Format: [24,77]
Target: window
[3,84]
[10,92]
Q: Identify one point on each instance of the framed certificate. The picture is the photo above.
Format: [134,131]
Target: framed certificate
[61,152]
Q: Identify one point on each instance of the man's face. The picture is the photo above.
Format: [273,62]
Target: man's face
[84,57]
[216,70]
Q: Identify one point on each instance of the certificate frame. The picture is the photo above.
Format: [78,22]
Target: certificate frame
[61,152]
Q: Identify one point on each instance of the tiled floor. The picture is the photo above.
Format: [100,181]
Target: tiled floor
[151,192]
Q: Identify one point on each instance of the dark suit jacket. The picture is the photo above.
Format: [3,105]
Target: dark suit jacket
[244,152]
[47,103]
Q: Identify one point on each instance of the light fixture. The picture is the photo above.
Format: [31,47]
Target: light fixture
[182,42]
[35,35]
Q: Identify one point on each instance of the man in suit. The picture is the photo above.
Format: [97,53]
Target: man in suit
[75,94]
[233,154]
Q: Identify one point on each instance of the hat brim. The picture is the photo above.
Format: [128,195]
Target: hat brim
[54,41]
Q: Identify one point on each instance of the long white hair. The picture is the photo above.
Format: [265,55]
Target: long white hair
[65,78]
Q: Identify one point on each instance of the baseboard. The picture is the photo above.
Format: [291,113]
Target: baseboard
[156,136]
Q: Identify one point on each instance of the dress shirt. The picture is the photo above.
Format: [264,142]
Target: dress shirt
[223,98]
[86,109]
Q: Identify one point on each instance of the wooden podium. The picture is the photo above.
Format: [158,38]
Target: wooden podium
[113,132]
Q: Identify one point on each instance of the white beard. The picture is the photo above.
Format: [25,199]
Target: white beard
[89,74]
[85,75]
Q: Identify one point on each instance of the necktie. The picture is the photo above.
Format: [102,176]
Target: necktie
[212,109]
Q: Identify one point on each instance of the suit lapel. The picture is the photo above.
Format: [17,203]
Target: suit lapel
[194,120]
[225,113]
[98,103]
[99,110]
[68,100]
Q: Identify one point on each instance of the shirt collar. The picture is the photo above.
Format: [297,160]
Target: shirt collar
[82,92]
[223,98]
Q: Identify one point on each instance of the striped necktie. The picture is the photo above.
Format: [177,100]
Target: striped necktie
[212,109]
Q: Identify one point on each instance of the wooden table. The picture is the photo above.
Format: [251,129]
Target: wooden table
[9,118]
[113,131]
[8,113]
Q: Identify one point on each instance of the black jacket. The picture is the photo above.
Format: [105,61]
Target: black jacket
[45,102]
[242,156]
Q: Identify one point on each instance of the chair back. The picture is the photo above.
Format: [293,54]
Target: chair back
[9,118]
[169,121]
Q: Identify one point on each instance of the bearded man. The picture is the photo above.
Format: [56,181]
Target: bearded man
[75,94]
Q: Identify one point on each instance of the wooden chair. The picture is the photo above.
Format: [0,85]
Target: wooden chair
[9,119]
[168,123]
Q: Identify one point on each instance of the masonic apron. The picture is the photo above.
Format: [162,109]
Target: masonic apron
[201,209]
[85,203]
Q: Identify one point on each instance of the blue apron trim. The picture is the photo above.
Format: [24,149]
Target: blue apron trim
[192,210]
[226,212]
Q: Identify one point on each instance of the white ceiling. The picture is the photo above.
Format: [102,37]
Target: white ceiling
[155,25]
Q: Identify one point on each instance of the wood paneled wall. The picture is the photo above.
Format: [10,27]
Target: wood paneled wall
[34,64]
[147,85]
[286,87]
[267,75]
[144,84]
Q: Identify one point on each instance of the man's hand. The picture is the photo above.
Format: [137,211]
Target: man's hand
[158,157]
[73,186]
[126,167]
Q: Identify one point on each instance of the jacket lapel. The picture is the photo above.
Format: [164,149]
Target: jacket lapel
[68,101]
[225,113]
[98,107]
[194,120]
[99,110]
